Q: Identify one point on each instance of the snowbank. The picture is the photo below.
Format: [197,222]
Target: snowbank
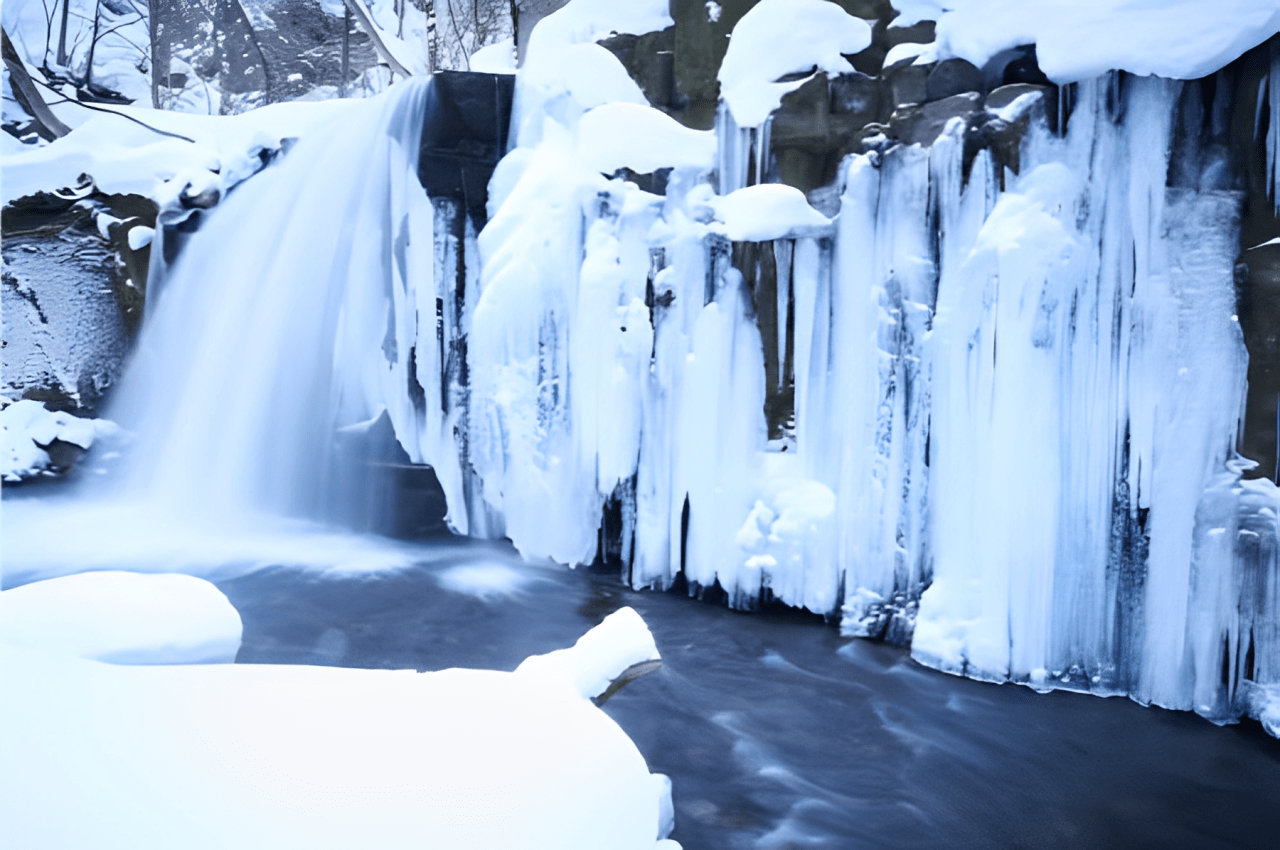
[768,211]
[27,429]
[125,157]
[641,138]
[1080,39]
[265,756]
[780,37]
[123,618]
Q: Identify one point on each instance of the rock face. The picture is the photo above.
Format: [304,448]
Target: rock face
[72,297]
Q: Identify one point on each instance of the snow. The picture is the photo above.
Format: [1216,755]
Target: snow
[601,655]
[1080,39]
[123,157]
[780,37]
[496,58]
[123,618]
[617,135]
[585,21]
[766,212]
[910,50]
[27,428]
[261,756]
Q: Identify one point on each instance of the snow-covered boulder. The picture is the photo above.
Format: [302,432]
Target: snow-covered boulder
[123,618]
[27,430]
[265,756]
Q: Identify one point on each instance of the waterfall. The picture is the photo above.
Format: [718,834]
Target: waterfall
[293,317]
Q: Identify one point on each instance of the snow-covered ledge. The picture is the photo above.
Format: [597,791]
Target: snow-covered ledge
[267,756]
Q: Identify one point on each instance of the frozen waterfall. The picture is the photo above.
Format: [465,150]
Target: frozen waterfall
[988,408]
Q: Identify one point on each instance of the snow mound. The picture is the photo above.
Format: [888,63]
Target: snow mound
[640,138]
[496,58]
[267,756]
[781,37]
[27,429]
[767,211]
[200,152]
[123,618]
[621,640]
[1079,39]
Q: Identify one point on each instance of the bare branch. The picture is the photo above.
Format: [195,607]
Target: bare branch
[24,88]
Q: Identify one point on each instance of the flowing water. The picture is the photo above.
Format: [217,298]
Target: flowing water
[779,733]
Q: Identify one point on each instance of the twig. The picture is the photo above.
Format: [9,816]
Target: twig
[65,99]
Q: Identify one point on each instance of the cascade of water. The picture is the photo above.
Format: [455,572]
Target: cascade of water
[293,315]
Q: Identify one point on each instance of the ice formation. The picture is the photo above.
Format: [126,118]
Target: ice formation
[123,618]
[266,756]
[990,413]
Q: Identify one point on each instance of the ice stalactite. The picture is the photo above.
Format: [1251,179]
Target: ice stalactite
[1269,135]
[987,410]
[1088,383]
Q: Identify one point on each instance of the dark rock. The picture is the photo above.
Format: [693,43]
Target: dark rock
[65,330]
[654,182]
[922,124]
[208,199]
[1013,66]
[809,137]
[650,60]
[464,136]
[951,77]
[856,95]
[919,33]
[903,84]
[63,455]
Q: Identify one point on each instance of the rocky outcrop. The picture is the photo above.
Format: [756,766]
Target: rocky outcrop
[75,278]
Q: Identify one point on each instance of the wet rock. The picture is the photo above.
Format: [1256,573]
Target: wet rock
[465,138]
[204,200]
[922,124]
[650,60]
[63,326]
[810,135]
[856,95]
[951,77]
[904,83]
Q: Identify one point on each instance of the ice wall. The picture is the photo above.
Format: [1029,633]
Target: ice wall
[988,411]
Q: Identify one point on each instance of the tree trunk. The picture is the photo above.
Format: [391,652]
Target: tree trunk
[346,51]
[62,35]
[93,45]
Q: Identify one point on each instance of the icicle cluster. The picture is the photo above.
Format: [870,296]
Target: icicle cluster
[986,412]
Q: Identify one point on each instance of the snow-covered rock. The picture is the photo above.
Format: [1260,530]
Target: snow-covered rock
[123,618]
[1079,39]
[266,756]
[28,429]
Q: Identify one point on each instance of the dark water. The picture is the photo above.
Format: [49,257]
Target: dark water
[778,733]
